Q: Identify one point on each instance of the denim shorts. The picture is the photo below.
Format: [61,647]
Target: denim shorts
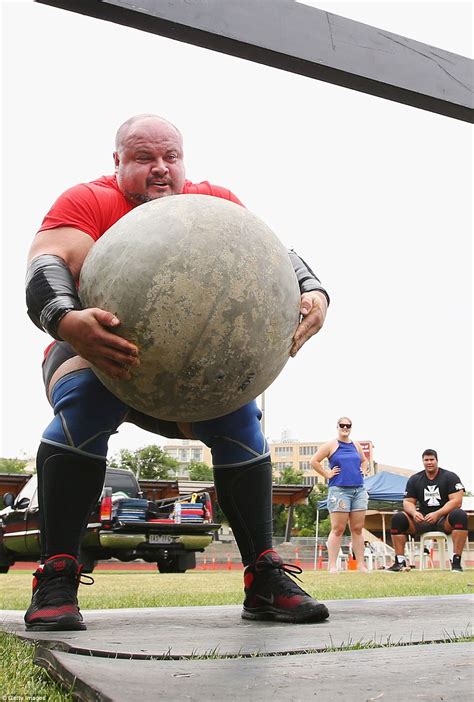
[347,499]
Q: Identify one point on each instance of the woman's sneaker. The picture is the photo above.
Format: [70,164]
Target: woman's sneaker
[54,605]
[271,594]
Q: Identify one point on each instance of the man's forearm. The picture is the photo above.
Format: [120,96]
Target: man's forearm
[448,507]
[409,508]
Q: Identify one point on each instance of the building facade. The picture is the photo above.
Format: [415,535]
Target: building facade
[284,454]
[186,451]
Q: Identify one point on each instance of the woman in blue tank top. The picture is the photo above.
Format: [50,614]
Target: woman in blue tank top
[347,496]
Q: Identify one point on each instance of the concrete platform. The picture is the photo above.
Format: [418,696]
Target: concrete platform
[436,672]
[155,653]
[198,631]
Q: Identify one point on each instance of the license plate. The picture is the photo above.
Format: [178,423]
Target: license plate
[159,539]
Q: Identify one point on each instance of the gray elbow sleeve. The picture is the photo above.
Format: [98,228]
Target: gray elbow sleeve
[307,279]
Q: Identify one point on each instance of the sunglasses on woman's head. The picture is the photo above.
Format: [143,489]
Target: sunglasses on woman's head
[345,426]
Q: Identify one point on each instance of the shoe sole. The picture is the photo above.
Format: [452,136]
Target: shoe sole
[56,626]
[318,614]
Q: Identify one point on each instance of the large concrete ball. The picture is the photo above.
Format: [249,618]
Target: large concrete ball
[208,294]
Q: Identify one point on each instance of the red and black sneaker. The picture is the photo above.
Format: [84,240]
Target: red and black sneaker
[54,605]
[271,594]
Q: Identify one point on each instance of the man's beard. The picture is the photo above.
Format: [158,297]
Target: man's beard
[141,198]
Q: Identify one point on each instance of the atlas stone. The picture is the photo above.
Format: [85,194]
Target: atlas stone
[207,292]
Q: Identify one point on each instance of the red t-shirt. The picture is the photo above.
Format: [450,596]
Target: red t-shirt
[94,207]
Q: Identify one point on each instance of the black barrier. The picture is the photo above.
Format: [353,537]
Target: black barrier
[295,37]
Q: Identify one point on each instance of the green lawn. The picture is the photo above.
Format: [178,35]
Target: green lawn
[150,589]
[20,679]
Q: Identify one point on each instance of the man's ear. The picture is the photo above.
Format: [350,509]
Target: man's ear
[116,159]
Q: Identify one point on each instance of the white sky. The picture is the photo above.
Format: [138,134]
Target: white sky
[375,195]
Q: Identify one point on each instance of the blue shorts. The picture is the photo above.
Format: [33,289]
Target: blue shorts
[86,413]
[347,499]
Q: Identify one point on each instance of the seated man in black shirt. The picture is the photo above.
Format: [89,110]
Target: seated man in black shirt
[433,499]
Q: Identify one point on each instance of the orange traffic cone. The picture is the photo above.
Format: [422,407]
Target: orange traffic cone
[320,557]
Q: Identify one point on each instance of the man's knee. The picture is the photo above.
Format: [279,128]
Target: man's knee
[457,519]
[86,414]
[400,524]
[235,439]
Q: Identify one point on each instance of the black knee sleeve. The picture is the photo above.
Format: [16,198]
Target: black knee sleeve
[458,519]
[400,523]
[244,494]
[69,485]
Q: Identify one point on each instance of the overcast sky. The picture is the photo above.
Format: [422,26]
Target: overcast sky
[376,196]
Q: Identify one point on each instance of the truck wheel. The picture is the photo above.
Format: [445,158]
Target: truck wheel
[87,561]
[5,560]
[177,564]
[168,567]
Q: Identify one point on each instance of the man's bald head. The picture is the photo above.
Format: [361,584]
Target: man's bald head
[136,122]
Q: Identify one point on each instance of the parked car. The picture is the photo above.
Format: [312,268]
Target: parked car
[123,525]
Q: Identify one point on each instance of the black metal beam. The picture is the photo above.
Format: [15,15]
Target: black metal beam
[295,37]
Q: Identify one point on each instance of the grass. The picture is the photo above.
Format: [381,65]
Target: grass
[21,678]
[197,588]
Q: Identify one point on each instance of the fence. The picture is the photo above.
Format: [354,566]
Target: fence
[300,551]
[224,554]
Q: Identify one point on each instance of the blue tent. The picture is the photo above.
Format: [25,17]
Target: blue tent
[383,486]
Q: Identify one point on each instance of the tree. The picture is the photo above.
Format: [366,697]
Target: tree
[305,515]
[290,476]
[149,462]
[279,515]
[13,465]
[218,514]
[200,471]
[319,492]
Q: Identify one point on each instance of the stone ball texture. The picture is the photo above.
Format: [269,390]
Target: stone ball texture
[207,292]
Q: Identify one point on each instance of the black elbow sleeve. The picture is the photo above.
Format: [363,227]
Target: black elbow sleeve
[50,292]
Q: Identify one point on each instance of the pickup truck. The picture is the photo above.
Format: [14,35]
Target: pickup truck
[123,525]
